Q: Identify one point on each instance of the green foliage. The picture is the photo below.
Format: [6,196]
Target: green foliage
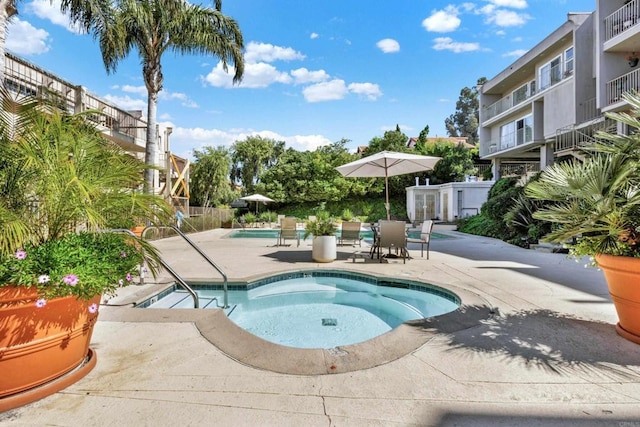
[457,161]
[251,158]
[347,214]
[84,265]
[157,26]
[464,122]
[210,185]
[250,218]
[268,216]
[597,201]
[393,140]
[323,225]
[520,217]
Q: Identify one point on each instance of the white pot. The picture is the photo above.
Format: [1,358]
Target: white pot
[324,249]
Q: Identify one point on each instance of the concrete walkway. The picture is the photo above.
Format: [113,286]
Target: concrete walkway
[541,349]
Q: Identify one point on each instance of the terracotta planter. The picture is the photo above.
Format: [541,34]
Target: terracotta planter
[138,230]
[39,345]
[623,278]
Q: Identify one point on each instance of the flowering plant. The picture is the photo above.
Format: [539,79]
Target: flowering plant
[631,56]
[81,264]
[61,184]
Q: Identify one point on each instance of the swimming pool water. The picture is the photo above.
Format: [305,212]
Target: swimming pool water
[262,233]
[324,312]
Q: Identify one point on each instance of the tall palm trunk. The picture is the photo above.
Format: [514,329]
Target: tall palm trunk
[153,80]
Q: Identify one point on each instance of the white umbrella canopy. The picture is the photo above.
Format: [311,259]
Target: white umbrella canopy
[386,164]
[257,198]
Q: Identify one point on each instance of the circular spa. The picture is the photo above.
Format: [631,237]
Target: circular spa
[322,309]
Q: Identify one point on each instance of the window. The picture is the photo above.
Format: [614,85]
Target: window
[550,73]
[568,61]
[519,95]
[532,87]
[507,136]
[524,130]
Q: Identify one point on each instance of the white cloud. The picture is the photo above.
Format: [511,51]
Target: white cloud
[515,53]
[325,91]
[50,10]
[265,52]
[304,76]
[388,45]
[183,139]
[256,75]
[24,39]
[515,4]
[126,102]
[442,21]
[164,94]
[507,18]
[447,43]
[314,36]
[138,90]
[517,39]
[369,90]
[501,33]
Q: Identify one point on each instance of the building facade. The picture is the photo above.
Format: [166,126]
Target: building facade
[125,128]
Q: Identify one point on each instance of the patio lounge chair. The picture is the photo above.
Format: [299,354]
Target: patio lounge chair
[393,236]
[288,230]
[425,237]
[351,231]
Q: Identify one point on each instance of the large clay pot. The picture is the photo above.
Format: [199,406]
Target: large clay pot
[39,345]
[623,278]
[324,249]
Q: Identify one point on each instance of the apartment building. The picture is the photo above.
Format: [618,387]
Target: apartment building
[127,129]
[545,104]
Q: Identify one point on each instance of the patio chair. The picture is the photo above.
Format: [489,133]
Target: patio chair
[288,230]
[393,236]
[351,231]
[425,237]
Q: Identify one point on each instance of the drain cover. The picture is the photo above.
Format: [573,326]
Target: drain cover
[329,322]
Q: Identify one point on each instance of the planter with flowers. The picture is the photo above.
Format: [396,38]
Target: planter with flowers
[632,58]
[597,203]
[61,185]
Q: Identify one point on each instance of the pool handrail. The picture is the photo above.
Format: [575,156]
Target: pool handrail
[163,263]
[225,303]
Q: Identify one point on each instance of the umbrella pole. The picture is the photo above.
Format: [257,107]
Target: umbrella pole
[386,187]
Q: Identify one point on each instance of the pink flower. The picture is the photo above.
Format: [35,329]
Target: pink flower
[41,302]
[21,254]
[93,308]
[71,279]
[43,279]
[129,277]
[123,254]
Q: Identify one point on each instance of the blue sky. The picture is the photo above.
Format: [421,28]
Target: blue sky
[315,71]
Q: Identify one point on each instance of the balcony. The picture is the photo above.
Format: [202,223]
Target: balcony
[626,83]
[547,78]
[508,141]
[622,19]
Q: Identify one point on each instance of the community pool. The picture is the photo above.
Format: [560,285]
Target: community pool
[320,309]
[265,233]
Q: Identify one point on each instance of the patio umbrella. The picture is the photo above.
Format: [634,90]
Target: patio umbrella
[257,198]
[386,164]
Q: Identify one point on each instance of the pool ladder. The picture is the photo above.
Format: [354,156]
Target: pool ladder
[179,279]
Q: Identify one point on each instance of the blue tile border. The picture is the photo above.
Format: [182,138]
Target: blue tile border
[340,274]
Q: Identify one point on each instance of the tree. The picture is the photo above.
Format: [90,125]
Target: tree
[393,140]
[456,162]
[464,122]
[154,26]
[251,158]
[210,184]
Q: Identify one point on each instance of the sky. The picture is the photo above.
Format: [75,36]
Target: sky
[316,71]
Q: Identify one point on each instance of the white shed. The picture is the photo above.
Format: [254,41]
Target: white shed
[446,202]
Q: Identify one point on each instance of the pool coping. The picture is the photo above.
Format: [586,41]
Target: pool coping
[254,351]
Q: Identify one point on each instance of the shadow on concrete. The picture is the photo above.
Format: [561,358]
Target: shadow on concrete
[543,339]
[605,419]
[302,256]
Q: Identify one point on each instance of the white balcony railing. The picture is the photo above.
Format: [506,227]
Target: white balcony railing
[622,19]
[626,83]
[552,76]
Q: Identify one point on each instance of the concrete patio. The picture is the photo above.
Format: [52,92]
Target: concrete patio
[534,344]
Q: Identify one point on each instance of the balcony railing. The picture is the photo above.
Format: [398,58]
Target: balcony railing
[571,139]
[553,76]
[518,169]
[622,19]
[626,83]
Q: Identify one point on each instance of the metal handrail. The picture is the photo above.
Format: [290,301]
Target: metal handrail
[209,260]
[194,295]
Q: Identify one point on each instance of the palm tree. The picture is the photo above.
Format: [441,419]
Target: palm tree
[155,26]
